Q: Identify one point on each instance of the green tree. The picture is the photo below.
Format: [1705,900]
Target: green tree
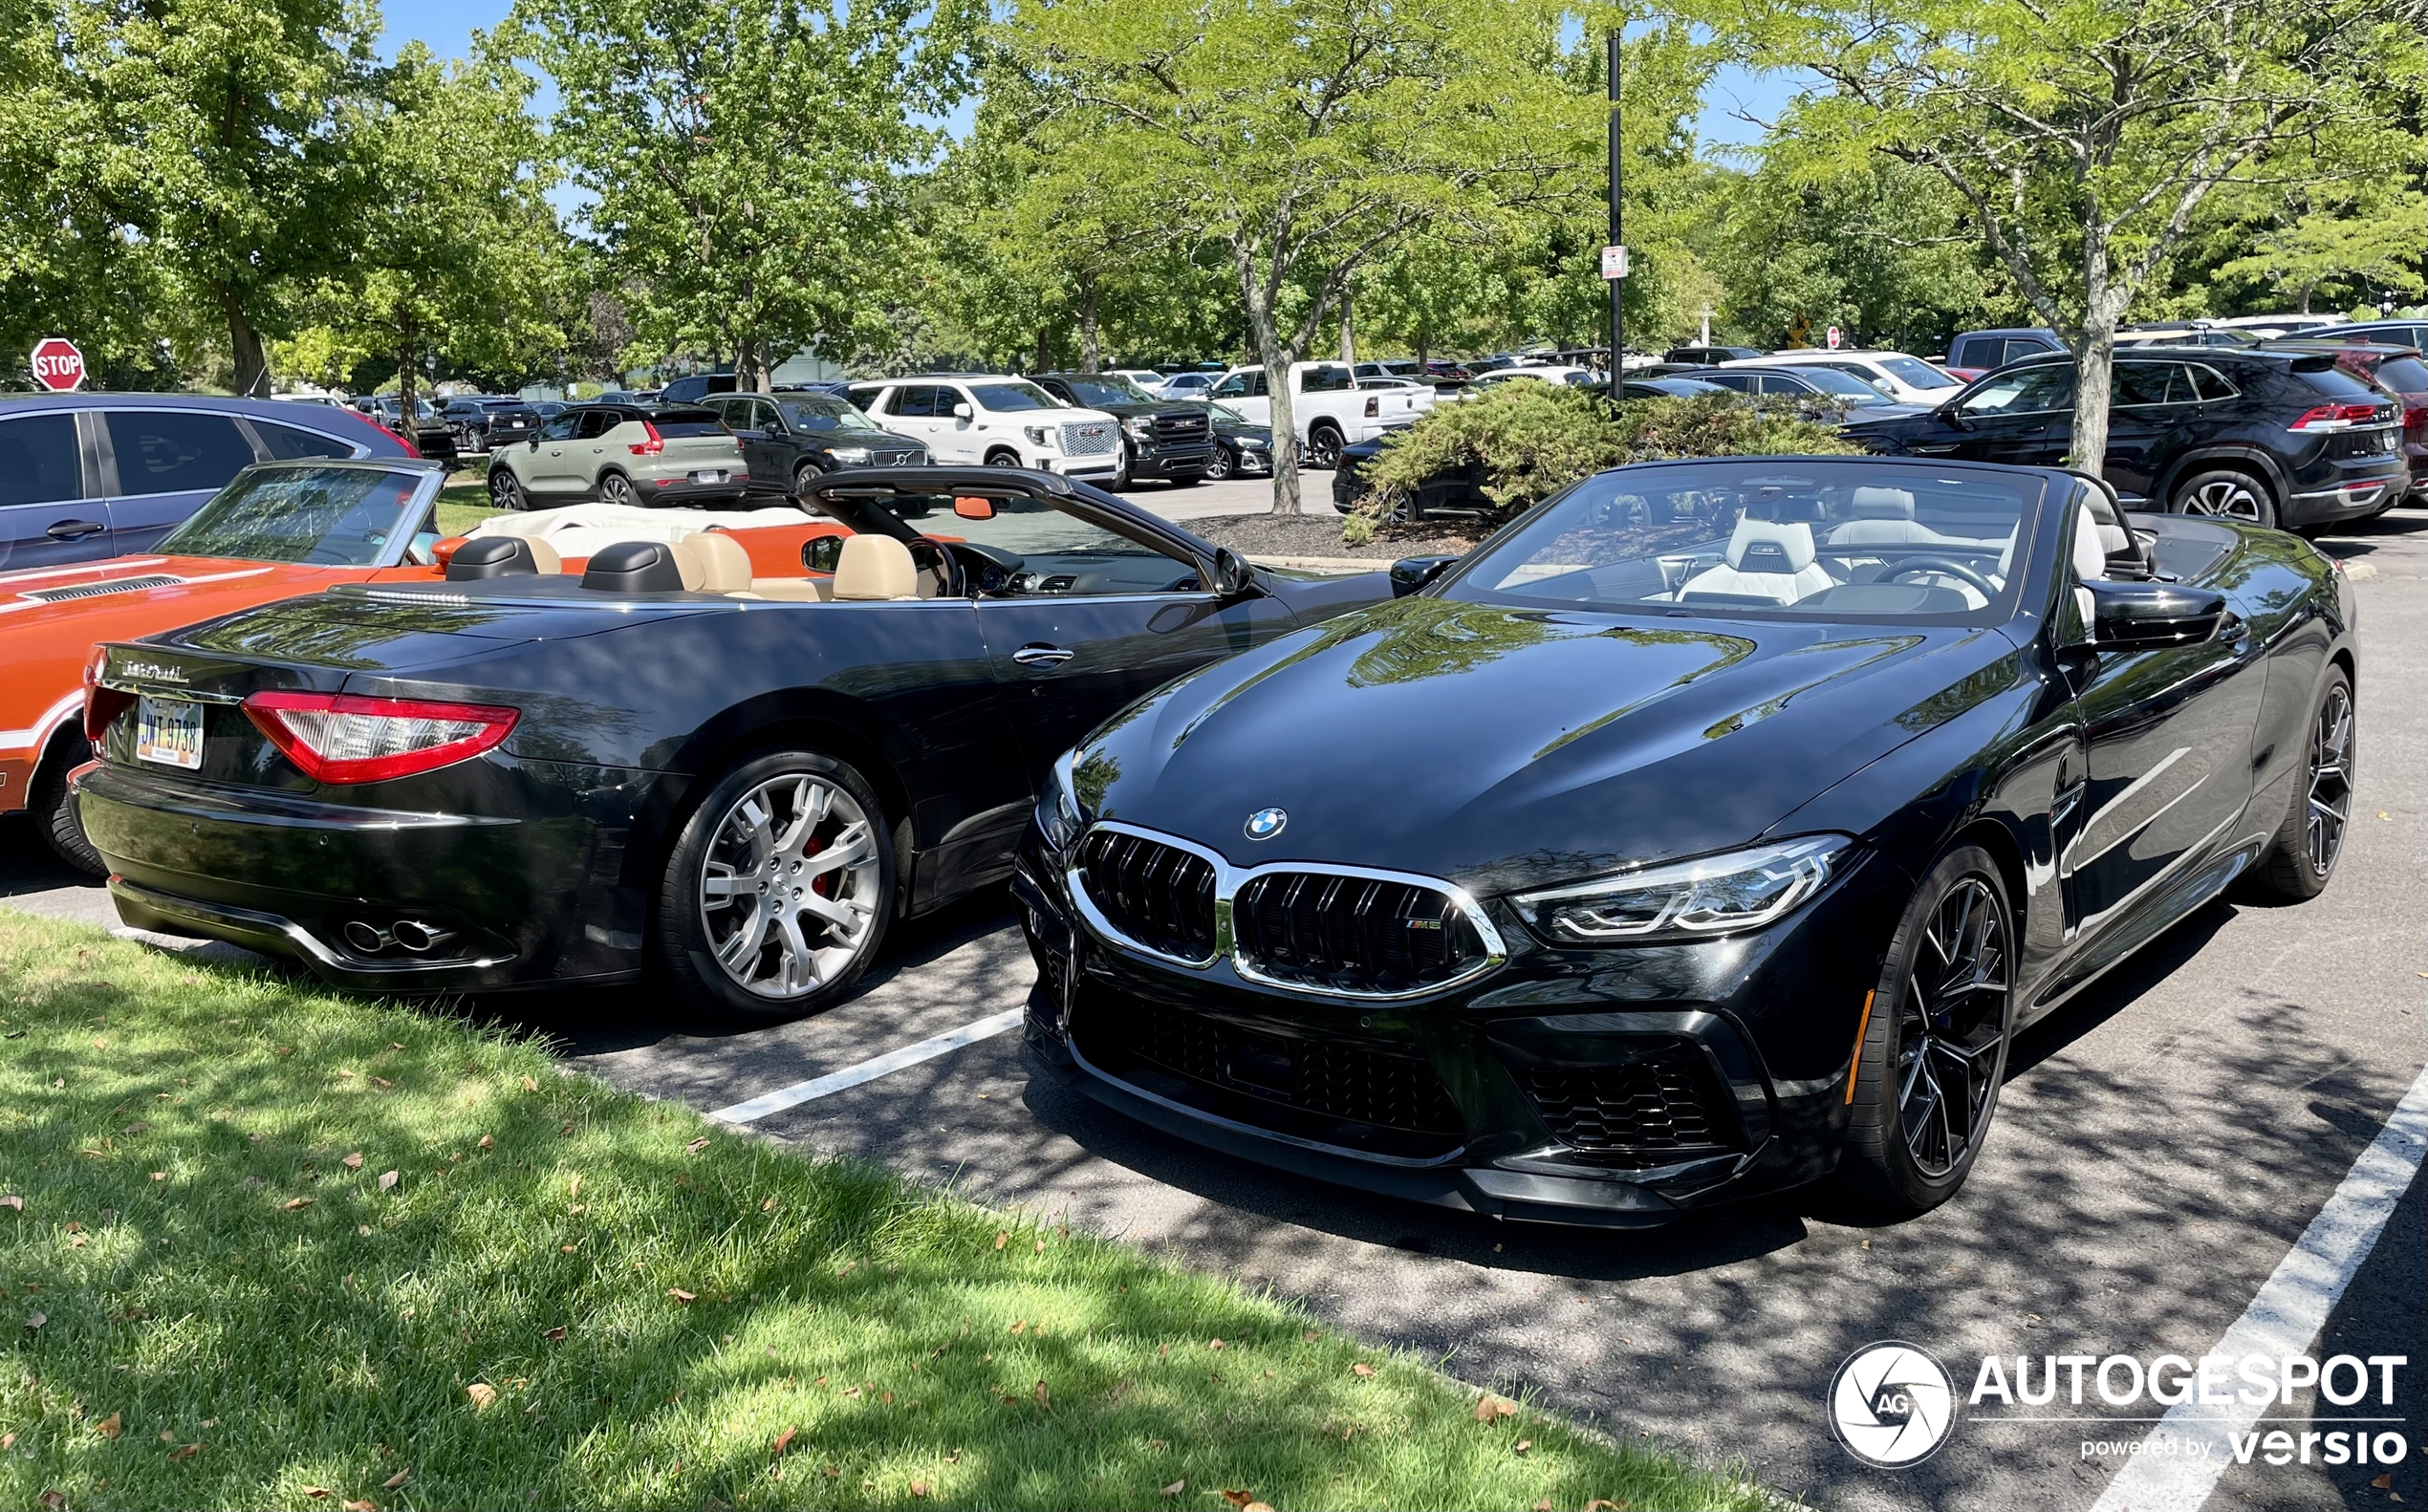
[747,157]
[1306,140]
[175,167]
[451,250]
[2373,239]
[2085,136]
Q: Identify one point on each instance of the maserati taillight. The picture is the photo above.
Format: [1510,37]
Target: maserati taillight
[346,738]
[100,704]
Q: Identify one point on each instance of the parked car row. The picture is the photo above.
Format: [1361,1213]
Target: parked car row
[1552,928]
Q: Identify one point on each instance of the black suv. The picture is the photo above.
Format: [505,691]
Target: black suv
[789,438]
[2272,438]
[1158,440]
[481,423]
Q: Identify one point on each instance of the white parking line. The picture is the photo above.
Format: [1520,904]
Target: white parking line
[868,1070]
[2183,1457]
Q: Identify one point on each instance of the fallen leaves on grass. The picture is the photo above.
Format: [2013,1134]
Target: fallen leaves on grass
[554,1333]
[293,1202]
[359,1506]
[315,1492]
[185,1452]
[13,1200]
[1603,1504]
[918,1488]
[110,1427]
[1524,1444]
[1362,1370]
[1492,1409]
[36,1320]
[1175,1488]
[531,1084]
[402,1476]
[482,1392]
[680,1295]
[698,1145]
[1044,1397]
[1019,1325]
[783,1441]
[388,1181]
[1002,1239]
[352,1161]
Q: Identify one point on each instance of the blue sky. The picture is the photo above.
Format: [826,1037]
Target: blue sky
[447,25]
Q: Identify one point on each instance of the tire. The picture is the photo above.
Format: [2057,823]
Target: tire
[2301,859]
[804,478]
[1217,467]
[2226,494]
[614,487]
[1323,448]
[506,491]
[55,813]
[728,961]
[1002,457]
[1943,1012]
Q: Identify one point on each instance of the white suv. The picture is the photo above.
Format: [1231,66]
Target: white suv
[998,421]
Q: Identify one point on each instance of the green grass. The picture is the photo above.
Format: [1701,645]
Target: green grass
[232,1311]
[463,503]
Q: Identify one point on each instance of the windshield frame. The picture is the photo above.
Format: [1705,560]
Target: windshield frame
[420,508]
[2014,602]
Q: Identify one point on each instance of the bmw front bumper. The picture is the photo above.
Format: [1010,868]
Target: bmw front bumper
[1610,1087]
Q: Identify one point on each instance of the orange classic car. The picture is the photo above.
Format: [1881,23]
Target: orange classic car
[280,529]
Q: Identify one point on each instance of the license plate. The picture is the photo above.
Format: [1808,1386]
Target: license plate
[169,732]
[709,475]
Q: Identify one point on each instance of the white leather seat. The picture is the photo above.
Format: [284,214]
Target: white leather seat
[1883,517]
[1771,559]
[875,567]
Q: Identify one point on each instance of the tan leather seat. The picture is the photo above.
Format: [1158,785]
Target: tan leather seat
[544,556]
[874,567]
[793,590]
[725,564]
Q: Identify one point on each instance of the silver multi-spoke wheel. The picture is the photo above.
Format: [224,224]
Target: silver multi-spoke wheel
[2330,781]
[789,886]
[1953,1027]
[2226,499]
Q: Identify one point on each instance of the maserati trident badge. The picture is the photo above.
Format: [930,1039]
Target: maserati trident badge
[1265,823]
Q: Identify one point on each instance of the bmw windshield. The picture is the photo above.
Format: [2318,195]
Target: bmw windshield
[320,516]
[1803,539]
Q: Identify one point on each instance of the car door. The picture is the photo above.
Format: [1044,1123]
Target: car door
[46,517]
[170,461]
[2167,760]
[767,446]
[1095,619]
[2149,406]
[544,464]
[911,410]
[1245,394]
[2014,416]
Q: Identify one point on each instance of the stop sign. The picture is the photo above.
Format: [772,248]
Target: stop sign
[57,365]
[1835,337]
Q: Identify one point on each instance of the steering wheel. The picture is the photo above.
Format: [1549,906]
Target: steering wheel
[986,569]
[1942,564]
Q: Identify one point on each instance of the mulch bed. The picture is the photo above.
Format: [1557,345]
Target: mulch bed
[1317,534]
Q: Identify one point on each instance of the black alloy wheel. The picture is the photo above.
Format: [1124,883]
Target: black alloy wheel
[777,891]
[1935,1042]
[506,491]
[2311,837]
[2226,494]
[1323,448]
[616,488]
[805,477]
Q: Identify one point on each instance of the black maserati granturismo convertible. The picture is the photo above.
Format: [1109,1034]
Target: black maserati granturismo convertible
[520,777]
[1712,827]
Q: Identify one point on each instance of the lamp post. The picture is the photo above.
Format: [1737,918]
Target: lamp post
[1619,320]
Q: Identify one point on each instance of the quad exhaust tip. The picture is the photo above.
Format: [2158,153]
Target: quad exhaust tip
[412,936]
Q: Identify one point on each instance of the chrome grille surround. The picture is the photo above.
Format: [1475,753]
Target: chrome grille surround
[1229,880]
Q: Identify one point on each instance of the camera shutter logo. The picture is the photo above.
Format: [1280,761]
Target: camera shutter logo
[1891,1405]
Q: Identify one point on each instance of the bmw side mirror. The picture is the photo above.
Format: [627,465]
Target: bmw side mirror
[2145,617]
[1410,573]
[1233,578]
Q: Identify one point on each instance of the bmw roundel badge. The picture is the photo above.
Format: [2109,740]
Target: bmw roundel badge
[1265,823]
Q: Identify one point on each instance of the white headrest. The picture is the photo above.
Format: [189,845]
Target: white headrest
[1881,504]
[1792,538]
[873,567]
[2090,556]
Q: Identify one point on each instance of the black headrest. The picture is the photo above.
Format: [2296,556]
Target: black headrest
[492,557]
[633,567]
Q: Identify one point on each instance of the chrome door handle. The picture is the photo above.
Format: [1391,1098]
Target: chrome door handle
[1042,656]
[75,529]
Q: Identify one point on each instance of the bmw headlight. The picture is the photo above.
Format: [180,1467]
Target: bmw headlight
[1038,435]
[848,453]
[1059,818]
[1142,427]
[1718,894]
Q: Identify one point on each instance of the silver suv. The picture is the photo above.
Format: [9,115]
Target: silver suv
[622,454]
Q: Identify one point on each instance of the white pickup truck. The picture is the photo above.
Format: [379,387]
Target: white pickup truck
[1328,409]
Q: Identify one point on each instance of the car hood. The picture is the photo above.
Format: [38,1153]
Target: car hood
[45,601]
[1501,748]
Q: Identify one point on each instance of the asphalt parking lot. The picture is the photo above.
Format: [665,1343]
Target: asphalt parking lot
[2162,1143]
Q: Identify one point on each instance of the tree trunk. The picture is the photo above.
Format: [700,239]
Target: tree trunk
[2307,289]
[2096,358]
[244,346]
[405,376]
[1088,354]
[1045,349]
[1421,346]
[752,373]
[1264,331]
[1348,331]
